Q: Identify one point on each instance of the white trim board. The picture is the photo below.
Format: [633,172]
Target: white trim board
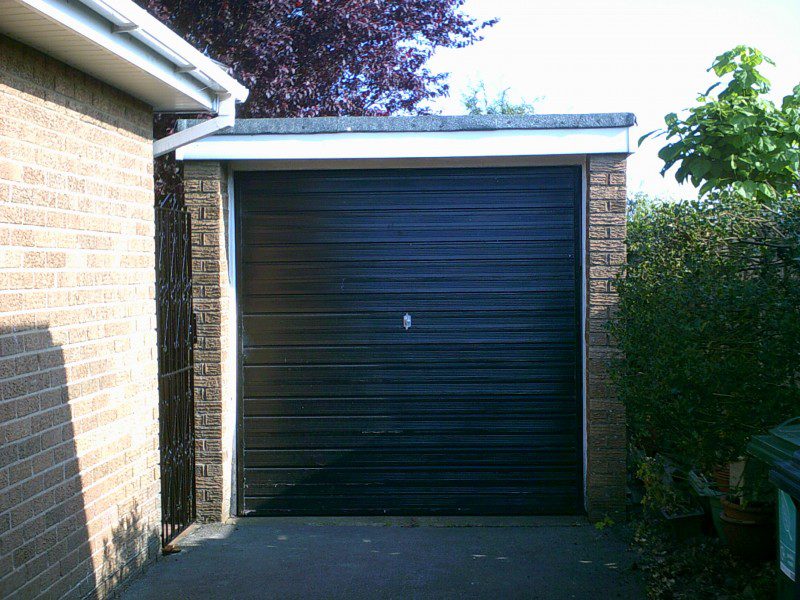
[121,44]
[406,163]
[410,145]
[230,411]
[584,338]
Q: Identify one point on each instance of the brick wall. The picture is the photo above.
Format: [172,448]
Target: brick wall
[79,480]
[605,213]
[205,188]
[605,418]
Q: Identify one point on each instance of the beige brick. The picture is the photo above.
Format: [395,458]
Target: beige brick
[78,375]
[606,468]
[204,185]
[10,171]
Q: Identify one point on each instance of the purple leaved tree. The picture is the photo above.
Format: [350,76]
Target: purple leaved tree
[309,58]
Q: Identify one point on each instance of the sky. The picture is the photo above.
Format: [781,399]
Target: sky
[648,57]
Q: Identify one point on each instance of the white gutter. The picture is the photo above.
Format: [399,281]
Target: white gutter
[226,117]
[129,19]
[122,31]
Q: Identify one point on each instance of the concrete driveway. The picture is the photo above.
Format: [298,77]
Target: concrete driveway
[493,558]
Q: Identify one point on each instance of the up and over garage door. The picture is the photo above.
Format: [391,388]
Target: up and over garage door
[409,341]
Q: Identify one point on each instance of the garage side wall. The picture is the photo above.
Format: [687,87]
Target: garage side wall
[605,415]
[205,187]
[79,475]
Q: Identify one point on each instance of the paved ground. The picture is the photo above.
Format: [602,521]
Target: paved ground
[401,558]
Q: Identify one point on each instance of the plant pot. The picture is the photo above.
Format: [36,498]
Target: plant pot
[722,478]
[684,525]
[751,513]
[749,540]
[715,506]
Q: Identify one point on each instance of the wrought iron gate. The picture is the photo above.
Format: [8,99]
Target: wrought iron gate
[176,338]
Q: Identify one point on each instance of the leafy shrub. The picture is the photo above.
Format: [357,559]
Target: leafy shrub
[661,492]
[709,314]
[697,569]
[478,100]
[737,141]
[709,325]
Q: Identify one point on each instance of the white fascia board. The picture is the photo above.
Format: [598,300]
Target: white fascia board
[396,145]
[186,58]
[128,32]
[94,27]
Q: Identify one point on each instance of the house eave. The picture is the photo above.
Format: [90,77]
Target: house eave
[121,44]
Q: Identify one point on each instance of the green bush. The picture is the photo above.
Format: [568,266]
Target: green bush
[661,492]
[709,325]
[697,569]
[709,315]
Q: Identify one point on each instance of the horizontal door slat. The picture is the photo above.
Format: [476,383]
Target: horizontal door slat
[474,408]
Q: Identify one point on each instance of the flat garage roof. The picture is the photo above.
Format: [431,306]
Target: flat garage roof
[348,138]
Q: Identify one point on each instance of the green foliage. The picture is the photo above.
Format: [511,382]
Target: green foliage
[638,202]
[709,315]
[709,325]
[698,569]
[737,141]
[661,491]
[758,488]
[479,101]
[604,523]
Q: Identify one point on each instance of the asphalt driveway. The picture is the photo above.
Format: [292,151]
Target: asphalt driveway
[494,558]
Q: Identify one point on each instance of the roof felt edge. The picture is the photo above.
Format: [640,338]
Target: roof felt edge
[425,123]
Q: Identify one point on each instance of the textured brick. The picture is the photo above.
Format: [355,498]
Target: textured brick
[205,187]
[78,376]
[605,419]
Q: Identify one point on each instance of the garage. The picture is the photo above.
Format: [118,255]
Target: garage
[410,341]
[406,315]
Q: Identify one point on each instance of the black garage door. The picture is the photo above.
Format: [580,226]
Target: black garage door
[409,341]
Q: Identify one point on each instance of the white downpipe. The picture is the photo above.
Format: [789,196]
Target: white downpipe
[226,117]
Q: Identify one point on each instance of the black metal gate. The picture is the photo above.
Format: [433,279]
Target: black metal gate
[176,337]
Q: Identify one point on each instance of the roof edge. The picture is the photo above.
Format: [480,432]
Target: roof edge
[128,33]
[127,17]
[423,123]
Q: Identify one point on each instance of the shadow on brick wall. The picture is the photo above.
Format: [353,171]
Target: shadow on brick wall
[53,542]
[125,551]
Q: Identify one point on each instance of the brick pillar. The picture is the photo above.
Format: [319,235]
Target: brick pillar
[606,442]
[206,198]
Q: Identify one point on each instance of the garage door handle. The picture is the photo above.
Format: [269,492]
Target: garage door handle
[407,321]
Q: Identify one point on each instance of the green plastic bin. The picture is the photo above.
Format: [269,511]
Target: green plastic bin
[780,450]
